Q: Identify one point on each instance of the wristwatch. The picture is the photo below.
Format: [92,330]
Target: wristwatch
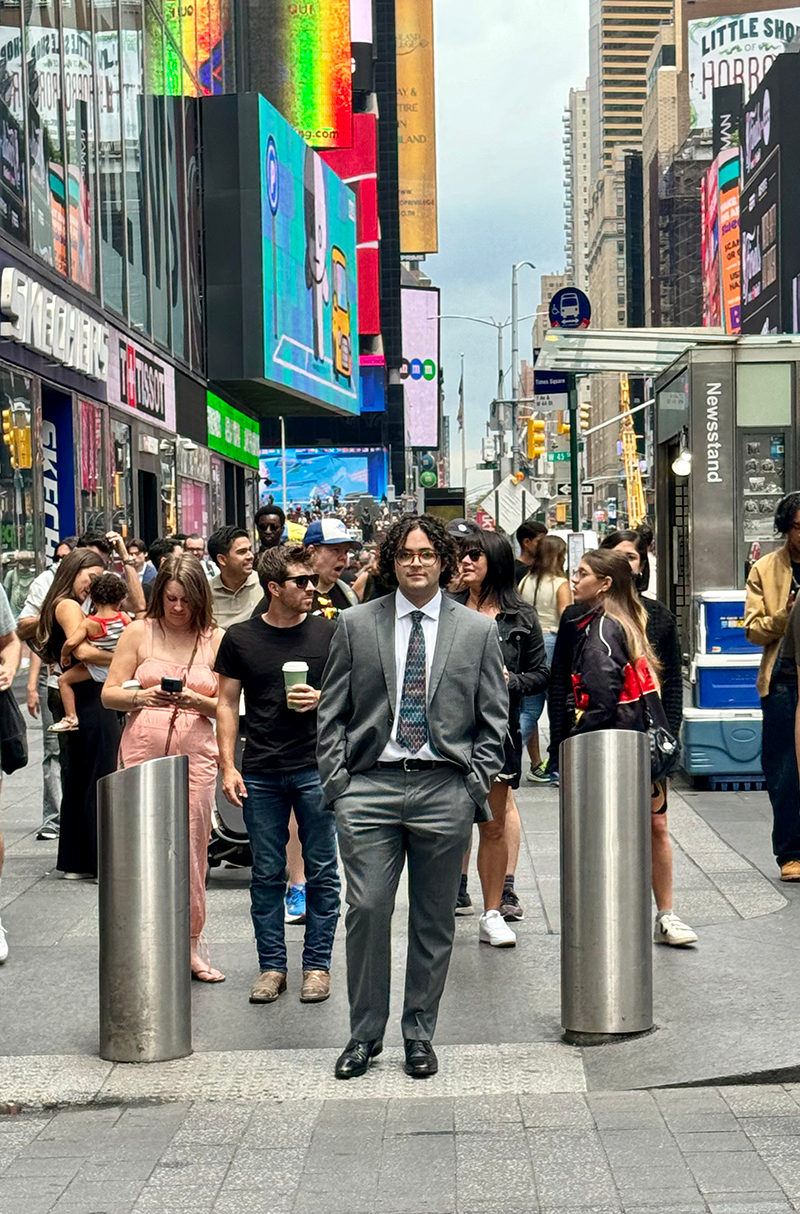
[129,561]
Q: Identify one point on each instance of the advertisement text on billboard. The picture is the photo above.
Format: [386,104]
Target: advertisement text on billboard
[419,369]
[416,122]
[761,297]
[734,50]
[727,166]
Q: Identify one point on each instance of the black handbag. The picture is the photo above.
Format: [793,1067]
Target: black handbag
[13,734]
[665,749]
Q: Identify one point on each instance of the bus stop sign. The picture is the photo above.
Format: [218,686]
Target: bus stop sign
[570,309]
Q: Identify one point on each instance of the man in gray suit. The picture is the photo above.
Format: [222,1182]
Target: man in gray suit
[411,724]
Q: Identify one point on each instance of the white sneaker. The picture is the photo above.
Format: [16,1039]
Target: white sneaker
[493,929]
[669,929]
[3,944]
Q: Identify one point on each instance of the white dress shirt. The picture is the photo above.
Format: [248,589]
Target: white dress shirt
[402,635]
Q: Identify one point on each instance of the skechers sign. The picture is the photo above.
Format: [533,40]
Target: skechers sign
[36,317]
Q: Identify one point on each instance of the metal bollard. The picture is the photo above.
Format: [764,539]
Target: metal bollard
[606,943]
[145,946]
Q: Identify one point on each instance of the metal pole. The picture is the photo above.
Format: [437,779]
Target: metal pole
[514,362]
[574,422]
[463,431]
[606,946]
[500,371]
[283,460]
[145,946]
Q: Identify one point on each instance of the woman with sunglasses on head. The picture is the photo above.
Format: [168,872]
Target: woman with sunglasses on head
[615,675]
[662,635]
[487,578]
[176,642]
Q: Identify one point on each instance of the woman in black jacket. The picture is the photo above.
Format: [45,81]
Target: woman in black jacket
[662,638]
[487,577]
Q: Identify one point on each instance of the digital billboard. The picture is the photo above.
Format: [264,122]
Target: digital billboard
[419,370]
[304,66]
[734,50]
[313,472]
[197,47]
[709,209]
[730,244]
[416,126]
[308,230]
[761,296]
[358,167]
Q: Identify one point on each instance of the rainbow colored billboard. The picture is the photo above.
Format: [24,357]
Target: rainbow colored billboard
[306,70]
[197,44]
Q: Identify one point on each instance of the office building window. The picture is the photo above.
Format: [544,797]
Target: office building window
[80,140]
[133,130]
[48,225]
[13,209]
[176,224]
[109,154]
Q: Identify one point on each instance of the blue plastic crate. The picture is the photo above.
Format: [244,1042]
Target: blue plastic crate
[722,743]
[726,680]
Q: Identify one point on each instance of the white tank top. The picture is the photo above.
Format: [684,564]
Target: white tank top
[543,597]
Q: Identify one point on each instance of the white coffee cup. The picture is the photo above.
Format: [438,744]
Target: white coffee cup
[294,673]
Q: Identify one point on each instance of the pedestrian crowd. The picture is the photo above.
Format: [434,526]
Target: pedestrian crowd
[369,704]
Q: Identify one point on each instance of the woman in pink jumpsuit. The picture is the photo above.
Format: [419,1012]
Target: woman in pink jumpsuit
[177,640]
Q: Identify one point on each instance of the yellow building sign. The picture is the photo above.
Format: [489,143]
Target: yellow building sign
[416,116]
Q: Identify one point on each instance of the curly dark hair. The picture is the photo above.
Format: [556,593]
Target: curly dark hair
[786,510]
[108,590]
[394,540]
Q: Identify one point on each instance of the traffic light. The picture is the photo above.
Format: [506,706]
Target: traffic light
[537,437]
[23,454]
[563,427]
[8,435]
[585,414]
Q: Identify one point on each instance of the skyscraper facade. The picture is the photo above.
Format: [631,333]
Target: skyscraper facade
[576,186]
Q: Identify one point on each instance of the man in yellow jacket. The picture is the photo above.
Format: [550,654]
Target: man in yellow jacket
[771,589]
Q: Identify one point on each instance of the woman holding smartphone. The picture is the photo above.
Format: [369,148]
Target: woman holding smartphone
[170,655]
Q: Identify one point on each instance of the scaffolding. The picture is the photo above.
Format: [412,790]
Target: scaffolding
[637,506]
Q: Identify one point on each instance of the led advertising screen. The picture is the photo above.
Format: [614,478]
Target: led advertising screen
[730,245]
[198,47]
[734,50]
[419,369]
[761,296]
[712,302]
[308,231]
[323,472]
[304,66]
[416,126]
[358,167]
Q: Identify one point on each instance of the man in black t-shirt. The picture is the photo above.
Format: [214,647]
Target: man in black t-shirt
[279,772]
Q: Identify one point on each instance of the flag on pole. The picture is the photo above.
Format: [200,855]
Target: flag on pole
[460,416]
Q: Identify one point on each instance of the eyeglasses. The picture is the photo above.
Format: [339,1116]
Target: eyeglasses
[302,580]
[426,557]
[472,554]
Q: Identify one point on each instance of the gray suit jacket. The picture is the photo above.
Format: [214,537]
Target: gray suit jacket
[467,695]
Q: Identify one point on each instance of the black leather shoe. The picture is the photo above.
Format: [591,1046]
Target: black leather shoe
[355,1059]
[420,1059]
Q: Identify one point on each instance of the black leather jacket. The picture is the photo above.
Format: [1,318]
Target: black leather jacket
[523,649]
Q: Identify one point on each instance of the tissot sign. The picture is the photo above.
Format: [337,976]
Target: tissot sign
[38,318]
[139,380]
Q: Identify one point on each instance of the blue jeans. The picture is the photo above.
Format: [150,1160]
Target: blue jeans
[267,807]
[533,706]
[779,761]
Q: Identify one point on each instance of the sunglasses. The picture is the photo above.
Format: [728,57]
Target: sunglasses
[473,554]
[302,580]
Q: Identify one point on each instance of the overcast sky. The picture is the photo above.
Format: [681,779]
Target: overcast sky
[504,69]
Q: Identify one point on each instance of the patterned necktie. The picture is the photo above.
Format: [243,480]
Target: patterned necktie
[412,724]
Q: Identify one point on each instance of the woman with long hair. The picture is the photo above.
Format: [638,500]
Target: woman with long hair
[546,588]
[487,577]
[662,633]
[89,753]
[177,640]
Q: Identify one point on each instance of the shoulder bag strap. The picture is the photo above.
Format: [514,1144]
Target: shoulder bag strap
[176,709]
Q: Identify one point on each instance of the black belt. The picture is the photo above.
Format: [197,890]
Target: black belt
[413,765]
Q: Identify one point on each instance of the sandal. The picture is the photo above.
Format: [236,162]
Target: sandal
[66,725]
[207,975]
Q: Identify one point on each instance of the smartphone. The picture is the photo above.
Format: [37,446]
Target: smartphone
[174,686]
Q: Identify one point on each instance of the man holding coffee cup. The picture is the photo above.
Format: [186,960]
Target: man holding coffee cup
[277,659]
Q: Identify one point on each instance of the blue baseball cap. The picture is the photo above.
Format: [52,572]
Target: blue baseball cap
[330,530]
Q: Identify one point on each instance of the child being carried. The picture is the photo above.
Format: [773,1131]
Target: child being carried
[102,628]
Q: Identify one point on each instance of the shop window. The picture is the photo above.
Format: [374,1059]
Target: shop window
[169,497]
[109,155]
[133,130]
[48,226]
[80,141]
[121,466]
[93,481]
[217,494]
[13,210]
[17,538]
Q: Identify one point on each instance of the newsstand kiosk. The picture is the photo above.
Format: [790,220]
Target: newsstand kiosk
[725,455]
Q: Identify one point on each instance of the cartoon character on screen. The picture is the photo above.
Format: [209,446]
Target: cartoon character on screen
[316,246]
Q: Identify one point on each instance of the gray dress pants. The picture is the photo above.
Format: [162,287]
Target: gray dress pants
[383,819]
